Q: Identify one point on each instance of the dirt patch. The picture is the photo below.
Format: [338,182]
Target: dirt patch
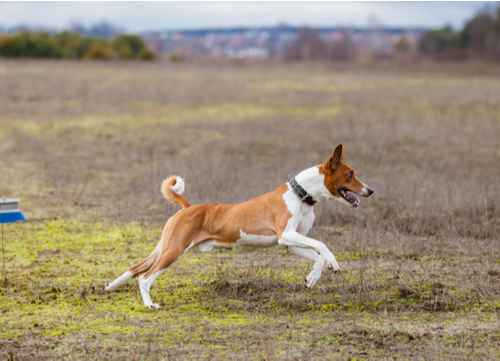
[43,255]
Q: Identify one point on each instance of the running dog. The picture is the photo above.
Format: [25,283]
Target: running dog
[281,217]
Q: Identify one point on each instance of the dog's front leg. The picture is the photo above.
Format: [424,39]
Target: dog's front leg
[293,239]
[303,228]
[311,255]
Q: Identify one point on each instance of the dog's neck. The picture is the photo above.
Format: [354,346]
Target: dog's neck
[313,182]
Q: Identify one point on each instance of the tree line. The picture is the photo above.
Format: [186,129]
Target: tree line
[479,38]
[72,45]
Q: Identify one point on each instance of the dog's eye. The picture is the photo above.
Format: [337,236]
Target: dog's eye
[350,175]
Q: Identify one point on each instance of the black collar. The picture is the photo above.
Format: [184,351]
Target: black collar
[299,191]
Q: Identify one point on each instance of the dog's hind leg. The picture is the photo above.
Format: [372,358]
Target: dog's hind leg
[164,260]
[134,271]
[311,255]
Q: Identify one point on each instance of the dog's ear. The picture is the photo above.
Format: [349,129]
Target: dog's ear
[337,156]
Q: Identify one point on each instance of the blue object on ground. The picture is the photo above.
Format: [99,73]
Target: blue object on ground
[9,211]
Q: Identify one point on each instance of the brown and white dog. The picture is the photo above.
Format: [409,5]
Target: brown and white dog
[281,217]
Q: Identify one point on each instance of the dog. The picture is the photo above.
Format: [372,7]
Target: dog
[281,217]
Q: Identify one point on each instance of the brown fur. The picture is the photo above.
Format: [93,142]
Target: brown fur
[264,215]
[170,195]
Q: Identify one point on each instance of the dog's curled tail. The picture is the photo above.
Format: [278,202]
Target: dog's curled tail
[172,188]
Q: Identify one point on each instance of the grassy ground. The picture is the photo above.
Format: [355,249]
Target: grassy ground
[86,146]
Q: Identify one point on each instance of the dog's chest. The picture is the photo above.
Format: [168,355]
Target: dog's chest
[253,240]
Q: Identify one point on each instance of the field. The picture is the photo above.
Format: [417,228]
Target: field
[85,145]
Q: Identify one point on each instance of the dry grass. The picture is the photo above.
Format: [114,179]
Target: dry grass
[89,144]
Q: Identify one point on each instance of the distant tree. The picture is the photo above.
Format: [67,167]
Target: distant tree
[437,41]
[72,45]
[13,46]
[43,46]
[474,34]
[69,45]
[128,46]
[26,44]
[344,49]
[307,45]
[98,51]
[496,23]
[147,54]
[479,38]
[402,46]
[125,52]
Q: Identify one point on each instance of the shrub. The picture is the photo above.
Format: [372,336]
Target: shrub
[12,47]
[72,45]
[97,52]
[42,45]
[26,44]
[125,52]
[147,54]
[125,43]
[176,58]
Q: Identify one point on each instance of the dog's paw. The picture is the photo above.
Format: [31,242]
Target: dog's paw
[313,277]
[154,306]
[331,263]
[310,282]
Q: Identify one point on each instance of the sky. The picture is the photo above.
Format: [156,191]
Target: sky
[140,17]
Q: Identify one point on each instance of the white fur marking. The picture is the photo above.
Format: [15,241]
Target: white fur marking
[313,183]
[292,238]
[306,223]
[206,246]
[127,276]
[317,269]
[365,191]
[145,286]
[179,185]
[253,240]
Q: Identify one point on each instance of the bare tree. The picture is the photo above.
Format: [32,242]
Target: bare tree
[307,45]
[343,49]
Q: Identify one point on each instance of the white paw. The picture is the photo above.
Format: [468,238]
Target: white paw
[331,262]
[153,305]
[311,281]
[107,288]
[315,274]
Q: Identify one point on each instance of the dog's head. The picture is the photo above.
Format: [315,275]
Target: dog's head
[341,179]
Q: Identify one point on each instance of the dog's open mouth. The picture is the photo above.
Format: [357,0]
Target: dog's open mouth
[349,198]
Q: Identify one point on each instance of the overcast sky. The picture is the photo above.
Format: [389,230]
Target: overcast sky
[145,16]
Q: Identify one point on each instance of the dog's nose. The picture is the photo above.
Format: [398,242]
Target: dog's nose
[370,192]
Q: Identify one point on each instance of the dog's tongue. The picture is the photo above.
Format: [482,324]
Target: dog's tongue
[353,200]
